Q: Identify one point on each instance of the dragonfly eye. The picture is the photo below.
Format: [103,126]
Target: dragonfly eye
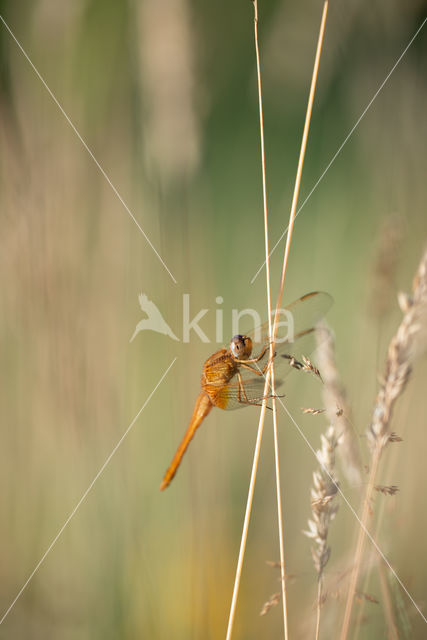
[236,346]
[241,347]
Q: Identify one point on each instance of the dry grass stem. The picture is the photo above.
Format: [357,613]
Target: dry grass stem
[323,492]
[387,603]
[406,344]
[312,412]
[271,602]
[385,266]
[295,196]
[278,565]
[337,408]
[323,508]
[309,367]
[269,379]
[273,563]
[393,437]
[306,365]
[270,370]
[360,595]
[387,491]
[274,599]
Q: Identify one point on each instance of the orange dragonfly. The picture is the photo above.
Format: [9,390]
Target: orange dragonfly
[234,378]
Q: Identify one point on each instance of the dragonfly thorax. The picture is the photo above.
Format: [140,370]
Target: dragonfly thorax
[241,347]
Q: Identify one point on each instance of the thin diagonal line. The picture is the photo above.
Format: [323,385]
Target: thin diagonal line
[269,378]
[84,496]
[304,437]
[300,431]
[346,139]
[36,71]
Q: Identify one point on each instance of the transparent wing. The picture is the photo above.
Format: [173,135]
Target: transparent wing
[296,336]
[233,396]
[295,319]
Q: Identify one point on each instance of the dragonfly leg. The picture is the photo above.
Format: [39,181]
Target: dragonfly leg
[242,391]
[257,359]
[259,372]
[253,369]
[243,398]
[270,360]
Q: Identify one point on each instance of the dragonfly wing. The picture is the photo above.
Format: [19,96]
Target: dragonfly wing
[304,343]
[308,310]
[236,396]
[250,389]
[296,336]
[286,353]
[300,315]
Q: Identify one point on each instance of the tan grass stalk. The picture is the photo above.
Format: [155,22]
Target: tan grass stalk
[300,164]
[324,509]
[270,372]
[403,347]
[264,404]
[337,408]
[268,285]
[385,265]
[393,633]
[271,602]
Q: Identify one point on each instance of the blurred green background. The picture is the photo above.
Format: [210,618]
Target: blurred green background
[164,94]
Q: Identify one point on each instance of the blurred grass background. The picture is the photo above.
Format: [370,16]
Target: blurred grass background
[164,94]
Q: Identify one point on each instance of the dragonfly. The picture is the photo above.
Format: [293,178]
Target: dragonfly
[234,378]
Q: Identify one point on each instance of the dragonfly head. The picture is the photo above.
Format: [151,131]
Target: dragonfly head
[241,347]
